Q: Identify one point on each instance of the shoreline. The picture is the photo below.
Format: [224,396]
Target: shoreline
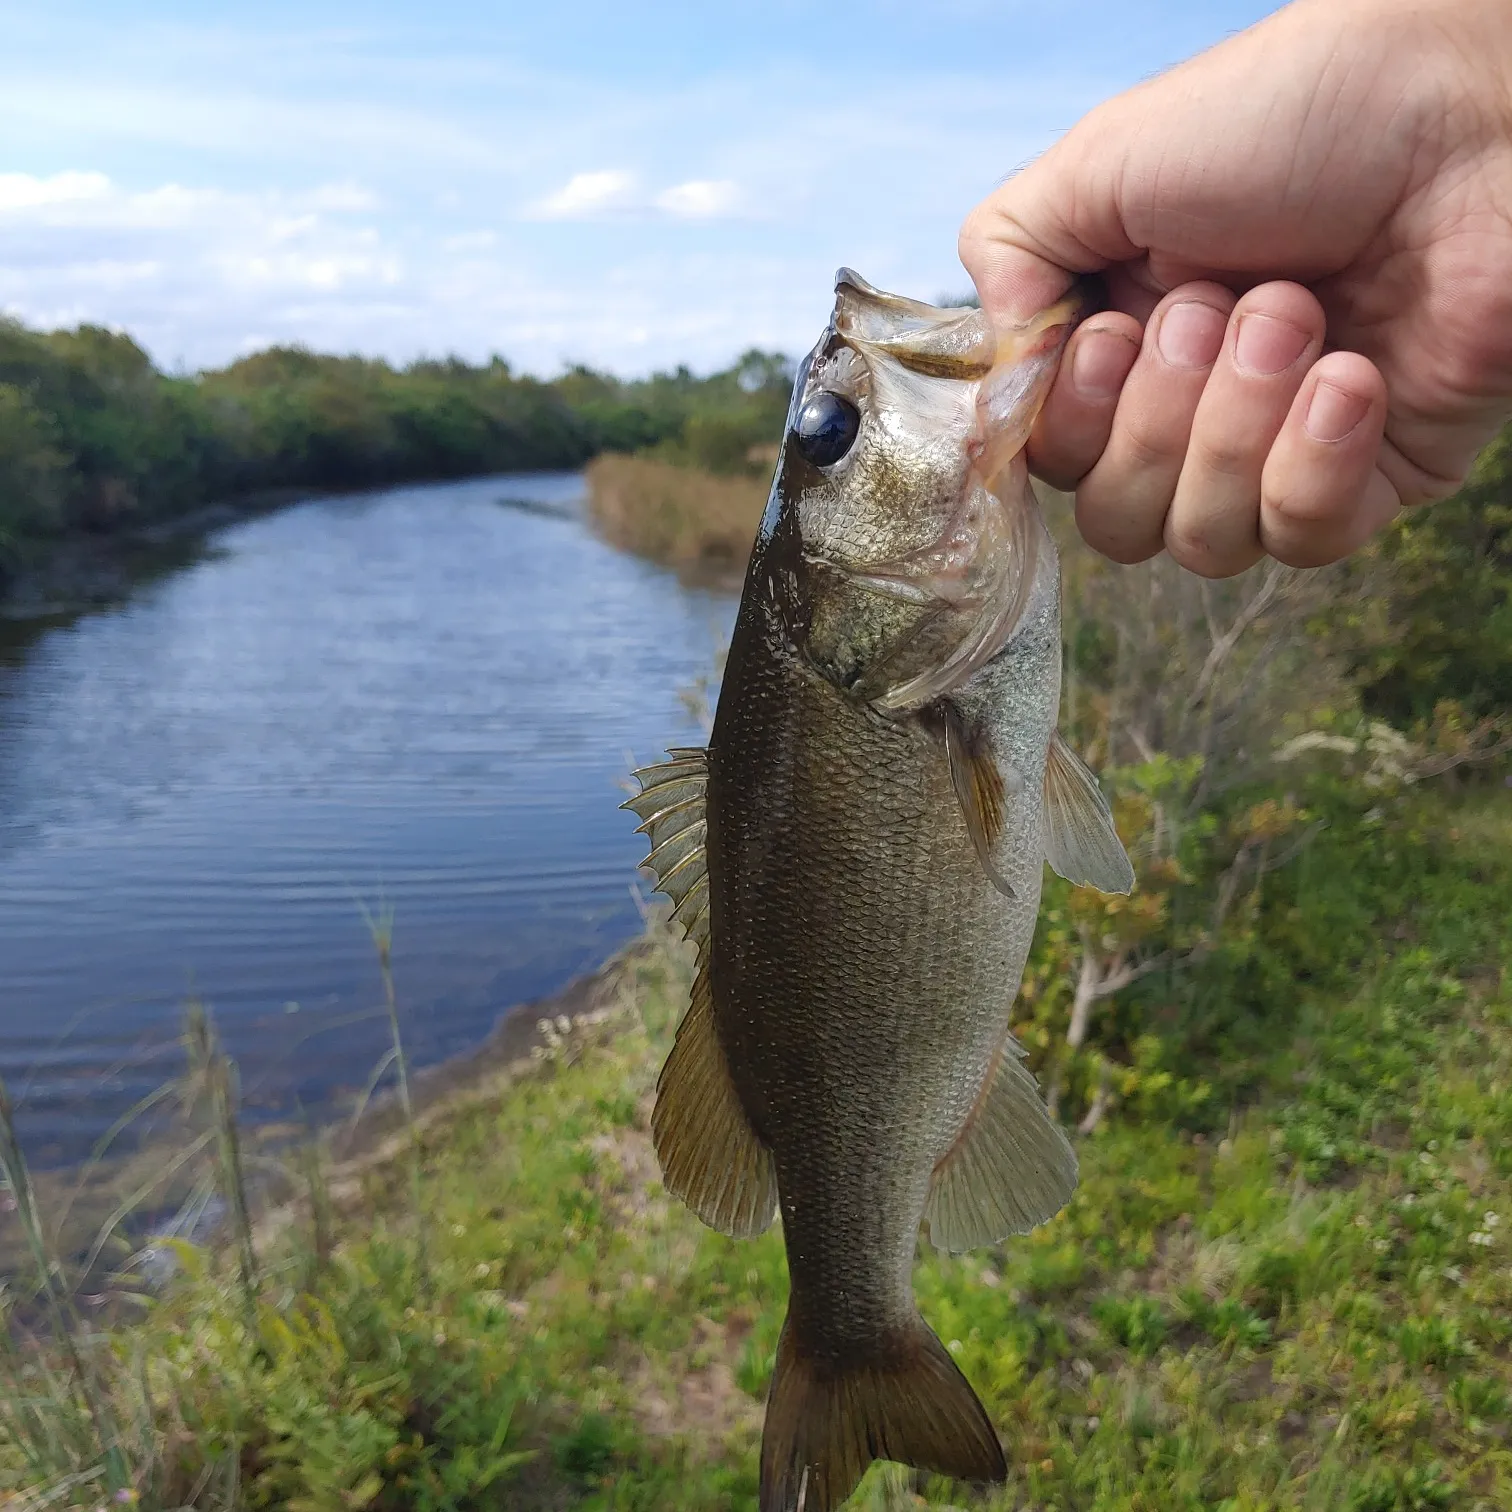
[80,1196]
[441,1092]
[81,572]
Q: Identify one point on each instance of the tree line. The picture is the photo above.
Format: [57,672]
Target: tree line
[94,438]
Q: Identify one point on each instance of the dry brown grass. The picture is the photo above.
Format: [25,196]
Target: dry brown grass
[698,522]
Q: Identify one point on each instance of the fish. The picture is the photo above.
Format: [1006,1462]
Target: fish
[857,854]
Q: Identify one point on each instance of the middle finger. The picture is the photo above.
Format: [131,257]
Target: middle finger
[1121,504]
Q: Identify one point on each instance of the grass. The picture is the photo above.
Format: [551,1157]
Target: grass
[1311,1310]
[699,522]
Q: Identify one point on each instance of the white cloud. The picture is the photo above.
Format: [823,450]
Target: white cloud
[588,194]
[24,191]
[177,264]
[700,199]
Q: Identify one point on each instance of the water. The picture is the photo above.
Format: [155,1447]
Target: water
[424,698]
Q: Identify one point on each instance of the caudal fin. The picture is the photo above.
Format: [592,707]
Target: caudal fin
[825,1426]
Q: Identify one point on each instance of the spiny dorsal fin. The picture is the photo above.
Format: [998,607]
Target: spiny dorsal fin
[1080,840]
[1011,1167]
[671,809]
[710,1156]
[982,786]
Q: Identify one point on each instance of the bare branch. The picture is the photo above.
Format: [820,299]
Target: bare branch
[1271,584]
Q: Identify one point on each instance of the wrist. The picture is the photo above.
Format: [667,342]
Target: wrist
[1473,41]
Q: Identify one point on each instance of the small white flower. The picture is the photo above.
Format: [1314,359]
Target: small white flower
[1490,1220]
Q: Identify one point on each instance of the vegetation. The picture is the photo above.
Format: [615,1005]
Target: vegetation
[93,439]
[1304,1306]
[1287,1057]
[699,522]
[693,500]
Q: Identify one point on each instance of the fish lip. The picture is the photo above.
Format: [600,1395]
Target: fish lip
[1013,365]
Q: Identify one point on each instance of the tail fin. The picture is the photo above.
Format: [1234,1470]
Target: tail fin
[825,1425]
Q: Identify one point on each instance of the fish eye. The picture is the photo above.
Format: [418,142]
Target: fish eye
[826,429]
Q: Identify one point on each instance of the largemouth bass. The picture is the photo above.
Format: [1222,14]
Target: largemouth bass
[858,855]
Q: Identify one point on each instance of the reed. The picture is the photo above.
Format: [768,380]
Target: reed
[55,1401]
[213,1076]
[684,517]
[381,928]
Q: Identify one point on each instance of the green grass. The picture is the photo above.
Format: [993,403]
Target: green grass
[1312,1309]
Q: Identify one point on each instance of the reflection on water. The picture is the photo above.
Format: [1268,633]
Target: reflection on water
[424,698]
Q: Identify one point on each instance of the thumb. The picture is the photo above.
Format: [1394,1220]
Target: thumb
[1027,241]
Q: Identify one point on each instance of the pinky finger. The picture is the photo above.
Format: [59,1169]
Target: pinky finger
[1321,493]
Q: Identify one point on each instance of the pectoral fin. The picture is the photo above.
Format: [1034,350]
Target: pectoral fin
[710,1156]
[983,785]
[1080,840]
[1011,1167]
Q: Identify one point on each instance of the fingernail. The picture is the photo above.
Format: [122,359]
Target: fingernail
[1267,345]
[1100,364]
[1191,334]
[1332,413]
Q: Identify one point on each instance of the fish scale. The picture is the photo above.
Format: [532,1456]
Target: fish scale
[882,786]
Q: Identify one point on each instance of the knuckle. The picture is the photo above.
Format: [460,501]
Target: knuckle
[1145,450]
[1224,455]
[1216,541]
[1310,504]
[1303,553]
[1113,535]
[1189,549]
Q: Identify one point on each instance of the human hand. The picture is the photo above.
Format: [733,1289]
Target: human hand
[1347,165]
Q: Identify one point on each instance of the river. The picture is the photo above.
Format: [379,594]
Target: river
[422,699]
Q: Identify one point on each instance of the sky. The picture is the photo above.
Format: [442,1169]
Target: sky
[628,185]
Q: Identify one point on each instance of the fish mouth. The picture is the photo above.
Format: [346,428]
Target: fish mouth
[987,556]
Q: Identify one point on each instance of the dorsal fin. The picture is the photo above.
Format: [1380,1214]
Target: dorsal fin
[710,1156]
[670,806]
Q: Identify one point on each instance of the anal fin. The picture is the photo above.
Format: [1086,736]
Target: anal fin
[710,1156]
[1011,1167]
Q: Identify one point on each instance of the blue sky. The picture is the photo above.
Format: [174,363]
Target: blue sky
[629,185]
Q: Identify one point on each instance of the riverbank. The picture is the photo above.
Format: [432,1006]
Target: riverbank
[1307,1309]
[700,523]
[70,575]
